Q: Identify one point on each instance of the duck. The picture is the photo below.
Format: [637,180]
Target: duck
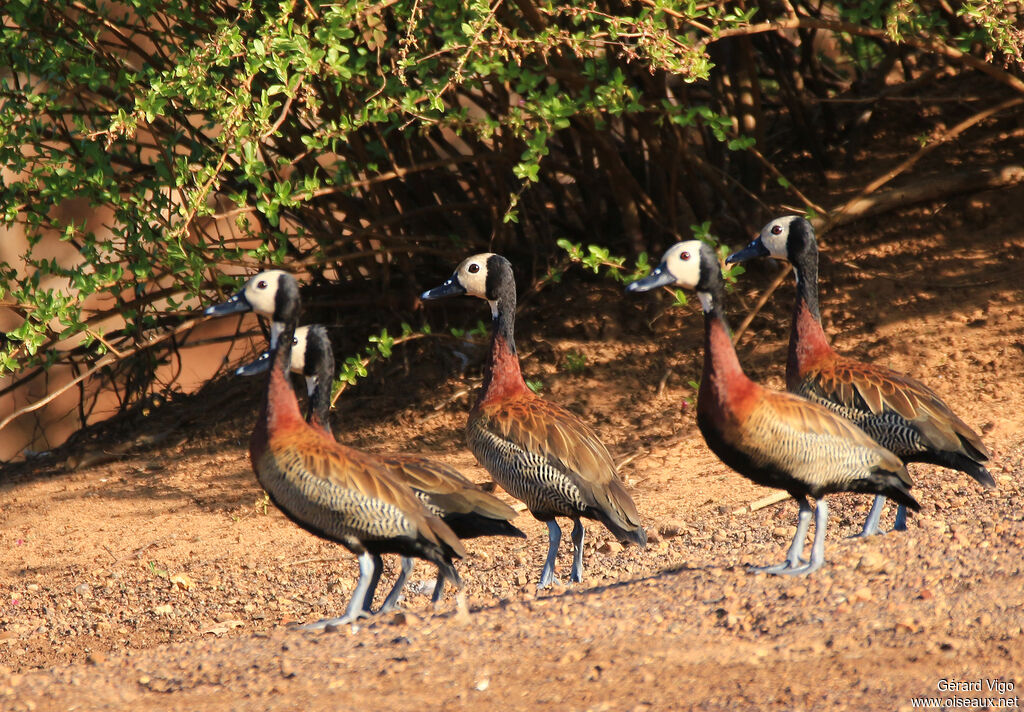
[898,411]
[335,492]
[773,438]
[463,505]
[537,451]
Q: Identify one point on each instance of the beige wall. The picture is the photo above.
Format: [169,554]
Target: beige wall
[52,424]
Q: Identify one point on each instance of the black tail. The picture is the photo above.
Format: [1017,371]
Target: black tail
[440,554]
[446,569]
[470,525]
[897,490]
[956,461]
[637,535]
[889,484]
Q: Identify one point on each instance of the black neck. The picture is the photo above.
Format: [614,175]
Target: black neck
[505,313]
[807,284]
[281,355]
[716,292]
[320,398]
[712,285]
[803,254]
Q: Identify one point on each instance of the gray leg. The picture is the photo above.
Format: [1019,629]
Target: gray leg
[871,523]
[378,565]
[818,548]
[355,606]
[396,591]
[900,525]
[577,559]
[547,574]
[793,560]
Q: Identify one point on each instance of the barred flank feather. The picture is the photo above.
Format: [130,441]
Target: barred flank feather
[465,508]
[345,494]
[543,455]
[900,413]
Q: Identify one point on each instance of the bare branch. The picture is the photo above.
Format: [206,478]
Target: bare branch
[102,363]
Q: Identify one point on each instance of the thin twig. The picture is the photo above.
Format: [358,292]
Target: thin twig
[100,365]
[929,189]
[99,337]
[779,278]
[663,382]
[790,186]
[630,458]
[309,561]
[836,215]
[767,501]
[455,396]
[925,43]
[456,75]
[285,110]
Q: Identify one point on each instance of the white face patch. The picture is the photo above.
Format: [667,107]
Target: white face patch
[472,275]
[682,261]
[298,364]
[775,236]
[261,291]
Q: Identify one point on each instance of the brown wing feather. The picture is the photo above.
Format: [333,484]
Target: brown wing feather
[452,491]
[367,474]
[424,473]
[549,430]
[809,417]
[541,427]
[880,388]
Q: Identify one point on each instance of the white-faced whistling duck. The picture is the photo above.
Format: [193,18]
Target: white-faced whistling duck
[901,413]
[775,439]
[335,492]
[538,452]
[463,505]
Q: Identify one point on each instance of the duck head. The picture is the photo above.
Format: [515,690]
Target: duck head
[310,349]
[690,264]
[486,275]
[784,238]
[273,293]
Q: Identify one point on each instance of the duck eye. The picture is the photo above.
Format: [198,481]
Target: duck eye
[684,256]
[776,229]
[262,284]
[473,268]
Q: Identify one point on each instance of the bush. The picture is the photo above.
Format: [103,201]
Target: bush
[362,143]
